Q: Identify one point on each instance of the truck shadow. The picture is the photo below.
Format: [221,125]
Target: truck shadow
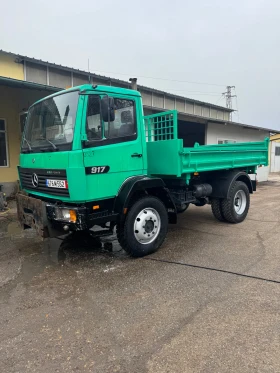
[82,248]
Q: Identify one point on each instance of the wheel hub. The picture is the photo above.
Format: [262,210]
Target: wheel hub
[147,226]
[240,202]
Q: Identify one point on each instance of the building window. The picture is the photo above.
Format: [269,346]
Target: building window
[277,150]
[3,144]
[226,141]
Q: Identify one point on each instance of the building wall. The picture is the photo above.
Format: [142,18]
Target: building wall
[64,78]
[239,134]
[232,132]
[274,153]
[161,101]
[9,68]
[13,102]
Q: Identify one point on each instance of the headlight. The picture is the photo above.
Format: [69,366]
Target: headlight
[66,215]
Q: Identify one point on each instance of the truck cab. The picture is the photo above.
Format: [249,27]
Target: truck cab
[90,158]
[66,134]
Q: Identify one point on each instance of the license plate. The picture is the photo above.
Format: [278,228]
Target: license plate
[56,183]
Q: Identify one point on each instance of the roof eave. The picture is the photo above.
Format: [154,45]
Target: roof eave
[114,80]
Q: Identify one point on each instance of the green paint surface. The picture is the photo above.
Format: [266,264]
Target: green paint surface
[162,153]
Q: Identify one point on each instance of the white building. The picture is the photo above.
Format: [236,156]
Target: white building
[275,153]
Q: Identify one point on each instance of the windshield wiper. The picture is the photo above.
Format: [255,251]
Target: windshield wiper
[52,144]
[28,143]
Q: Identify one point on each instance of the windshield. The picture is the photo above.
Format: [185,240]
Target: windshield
[50,123]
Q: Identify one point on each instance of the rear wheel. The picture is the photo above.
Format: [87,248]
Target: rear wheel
[235,207]
[145,227]
[216,205]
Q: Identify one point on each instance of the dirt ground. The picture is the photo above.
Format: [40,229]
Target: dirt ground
[207,301]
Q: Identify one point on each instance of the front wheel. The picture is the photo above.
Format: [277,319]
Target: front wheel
[145,227]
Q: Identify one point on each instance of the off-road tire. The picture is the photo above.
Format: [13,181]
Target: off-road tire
[216,205]
[228,204]
[125,231]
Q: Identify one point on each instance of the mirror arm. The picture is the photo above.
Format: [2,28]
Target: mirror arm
[109,114]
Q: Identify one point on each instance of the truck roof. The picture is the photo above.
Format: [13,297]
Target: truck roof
[94,88]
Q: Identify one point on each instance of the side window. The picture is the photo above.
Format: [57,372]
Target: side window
[3,144]
[94,126]
[225,141]
[124,123]
[123,128]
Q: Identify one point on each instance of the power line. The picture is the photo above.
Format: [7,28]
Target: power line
[152,77]
[184,90]
[222,96]
[198,94]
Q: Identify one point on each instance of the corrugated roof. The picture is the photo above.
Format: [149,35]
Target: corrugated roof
[20,83]
[221,121]
[10,82]
[117,81]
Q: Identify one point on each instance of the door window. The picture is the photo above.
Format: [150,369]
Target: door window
[3,144]
[124,123]
[122,129]
[94,125]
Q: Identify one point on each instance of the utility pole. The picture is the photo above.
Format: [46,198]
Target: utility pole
[228,96]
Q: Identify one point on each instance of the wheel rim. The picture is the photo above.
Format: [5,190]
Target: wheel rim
[147,225]
[240,202]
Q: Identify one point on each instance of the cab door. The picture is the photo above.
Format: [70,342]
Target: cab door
[113,151]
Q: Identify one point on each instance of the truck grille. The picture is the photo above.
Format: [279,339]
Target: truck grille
[25,175]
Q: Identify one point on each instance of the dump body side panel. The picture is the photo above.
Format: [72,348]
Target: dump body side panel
[224,156]
[167,157]
[163,157]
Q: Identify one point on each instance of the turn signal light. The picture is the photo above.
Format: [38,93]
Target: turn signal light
[73,216]
[96,207]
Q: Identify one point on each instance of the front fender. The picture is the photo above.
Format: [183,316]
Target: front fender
[145,184]
[131,185]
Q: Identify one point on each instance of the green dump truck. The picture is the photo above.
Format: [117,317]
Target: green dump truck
[89,157]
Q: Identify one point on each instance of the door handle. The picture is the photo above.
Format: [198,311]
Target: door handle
[136,155]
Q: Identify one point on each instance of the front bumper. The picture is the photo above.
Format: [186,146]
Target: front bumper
[42,216]
[32,214]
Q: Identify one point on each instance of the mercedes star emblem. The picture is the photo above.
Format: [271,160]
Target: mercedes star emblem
[35,181]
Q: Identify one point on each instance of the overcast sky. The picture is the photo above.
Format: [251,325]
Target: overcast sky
[175,42]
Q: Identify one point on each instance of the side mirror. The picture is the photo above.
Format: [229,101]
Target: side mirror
[108,109]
